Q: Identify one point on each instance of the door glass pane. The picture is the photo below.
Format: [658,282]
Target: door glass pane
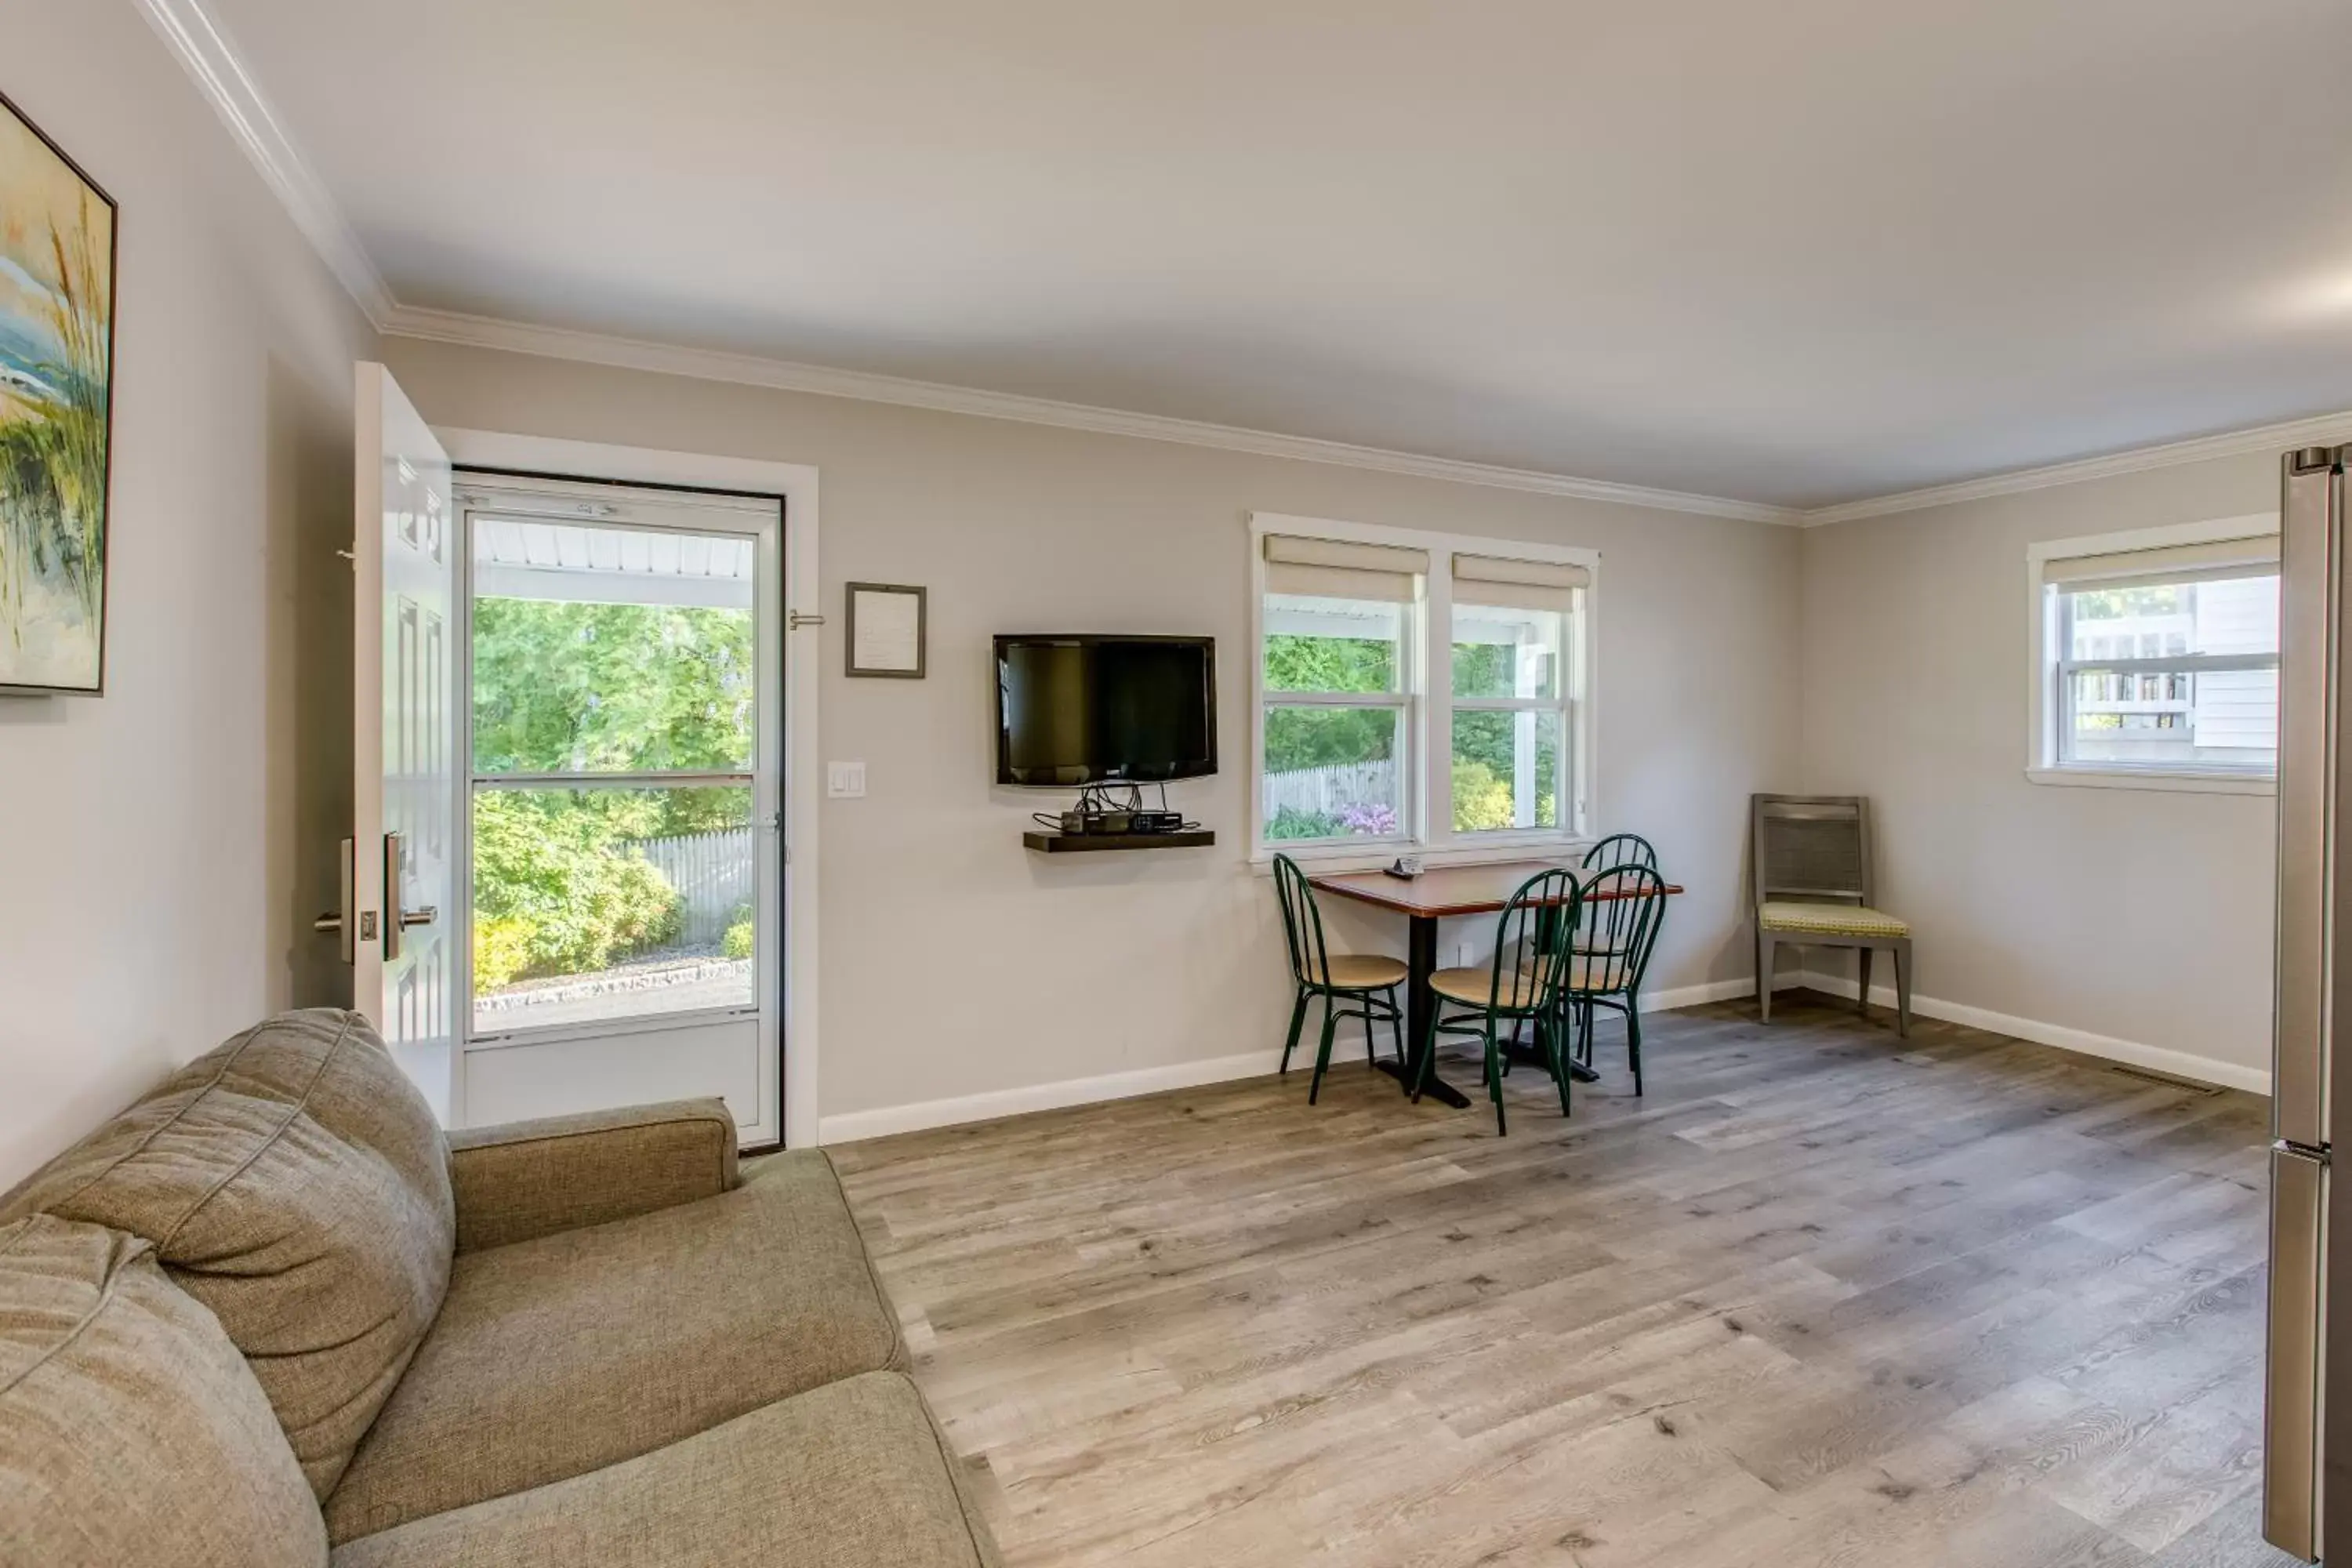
[611,649]
[1503,652]
[1331,772]
[592,904]
[1506,769]
[1339,645]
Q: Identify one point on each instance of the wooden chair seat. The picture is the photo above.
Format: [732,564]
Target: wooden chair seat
[1365,970]
[1473,987]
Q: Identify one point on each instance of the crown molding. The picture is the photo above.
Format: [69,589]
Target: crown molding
[788,376]
[204,49]
[2326,429]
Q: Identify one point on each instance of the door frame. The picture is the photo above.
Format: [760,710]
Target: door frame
[796,485]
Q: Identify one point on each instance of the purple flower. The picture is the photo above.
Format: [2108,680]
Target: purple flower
[1368,818]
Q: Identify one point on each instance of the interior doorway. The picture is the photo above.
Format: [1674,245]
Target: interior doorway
[622,783]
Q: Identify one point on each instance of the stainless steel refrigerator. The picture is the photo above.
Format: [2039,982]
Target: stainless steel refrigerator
[2308,1476]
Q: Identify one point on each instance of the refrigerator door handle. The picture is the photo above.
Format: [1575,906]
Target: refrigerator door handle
[2310,580]
[2293,1412]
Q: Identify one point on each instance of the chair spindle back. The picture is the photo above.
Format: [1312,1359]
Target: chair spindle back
[1624,906]
[1302,924]
[1622,850]
[1531,941]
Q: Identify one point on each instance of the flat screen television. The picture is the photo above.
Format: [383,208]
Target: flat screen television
[1081,709]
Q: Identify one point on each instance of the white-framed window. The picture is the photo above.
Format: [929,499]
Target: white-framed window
[2155,657]
[1416,691]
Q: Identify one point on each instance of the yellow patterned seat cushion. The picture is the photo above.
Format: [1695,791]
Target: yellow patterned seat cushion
[1830,920]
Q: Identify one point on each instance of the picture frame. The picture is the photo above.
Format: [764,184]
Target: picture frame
[59,241]
[888,634]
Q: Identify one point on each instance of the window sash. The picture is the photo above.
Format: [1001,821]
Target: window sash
[1335,699]
[2065,707]
[2177,664]
[1563,706]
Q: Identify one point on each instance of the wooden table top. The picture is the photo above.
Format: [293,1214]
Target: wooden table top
[1444,890]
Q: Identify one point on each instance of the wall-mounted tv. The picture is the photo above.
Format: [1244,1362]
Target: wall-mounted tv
[1082,709]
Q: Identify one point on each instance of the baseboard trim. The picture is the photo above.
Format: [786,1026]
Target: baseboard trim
[2082,1042]
[850,1127]
[1700,995]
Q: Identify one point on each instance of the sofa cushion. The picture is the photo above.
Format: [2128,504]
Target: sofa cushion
[131,1430]
[849,1476]
[557,1355]
[294,1182]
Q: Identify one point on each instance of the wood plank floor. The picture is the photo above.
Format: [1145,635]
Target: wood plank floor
[1822,1297]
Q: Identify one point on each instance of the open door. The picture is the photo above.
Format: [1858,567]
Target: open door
[397,923]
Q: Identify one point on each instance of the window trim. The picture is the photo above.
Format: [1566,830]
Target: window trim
[1426,812]
[2043,763]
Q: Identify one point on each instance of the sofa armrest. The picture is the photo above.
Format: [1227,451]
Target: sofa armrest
[527,1179]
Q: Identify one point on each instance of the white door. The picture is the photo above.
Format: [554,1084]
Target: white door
[398,920]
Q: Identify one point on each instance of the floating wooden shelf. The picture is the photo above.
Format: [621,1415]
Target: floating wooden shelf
[1073,843]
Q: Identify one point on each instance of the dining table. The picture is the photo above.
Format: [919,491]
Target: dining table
[1438,893]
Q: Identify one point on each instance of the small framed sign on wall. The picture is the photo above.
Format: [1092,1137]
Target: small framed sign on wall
[889,629]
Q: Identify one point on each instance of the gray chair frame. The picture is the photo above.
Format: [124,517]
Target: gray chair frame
[1826,862]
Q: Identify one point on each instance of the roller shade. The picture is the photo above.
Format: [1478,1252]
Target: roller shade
[1513,584]
[2255,557]
[1331,568]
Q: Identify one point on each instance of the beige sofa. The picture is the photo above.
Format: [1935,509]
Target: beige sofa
[271,1315]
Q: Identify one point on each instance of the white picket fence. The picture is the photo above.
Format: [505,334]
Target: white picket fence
[1328,789]
[711,870]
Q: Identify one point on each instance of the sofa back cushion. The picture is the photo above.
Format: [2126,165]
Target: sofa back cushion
[295,1183]
[130,1429]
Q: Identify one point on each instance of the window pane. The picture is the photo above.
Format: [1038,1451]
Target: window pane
[610,903]
[2158,718]
[1506,653]
[2208,719]
[611,650]
[1505,770]
[2235,614]
[1332,645]
[1331,772]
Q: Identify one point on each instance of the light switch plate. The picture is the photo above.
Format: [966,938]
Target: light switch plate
[845,781]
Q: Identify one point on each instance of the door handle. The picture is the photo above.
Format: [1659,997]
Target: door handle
[395,918]
[342,919]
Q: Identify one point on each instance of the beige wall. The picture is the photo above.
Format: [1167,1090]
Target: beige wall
[2139,915]
[158,845]
[956,963]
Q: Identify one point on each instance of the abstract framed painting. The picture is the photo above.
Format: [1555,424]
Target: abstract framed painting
[57,412]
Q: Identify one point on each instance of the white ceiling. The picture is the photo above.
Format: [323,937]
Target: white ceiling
[1793,253]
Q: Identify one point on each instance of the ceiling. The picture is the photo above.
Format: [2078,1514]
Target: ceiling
[1794,254]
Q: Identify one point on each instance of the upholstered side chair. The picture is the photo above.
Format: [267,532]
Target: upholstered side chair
[1816,887]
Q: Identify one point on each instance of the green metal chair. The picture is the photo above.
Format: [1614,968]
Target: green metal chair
[1613,954]
[1352,984]
[1523,985]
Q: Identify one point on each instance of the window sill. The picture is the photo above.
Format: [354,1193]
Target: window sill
[2185,782]
[1337,858]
